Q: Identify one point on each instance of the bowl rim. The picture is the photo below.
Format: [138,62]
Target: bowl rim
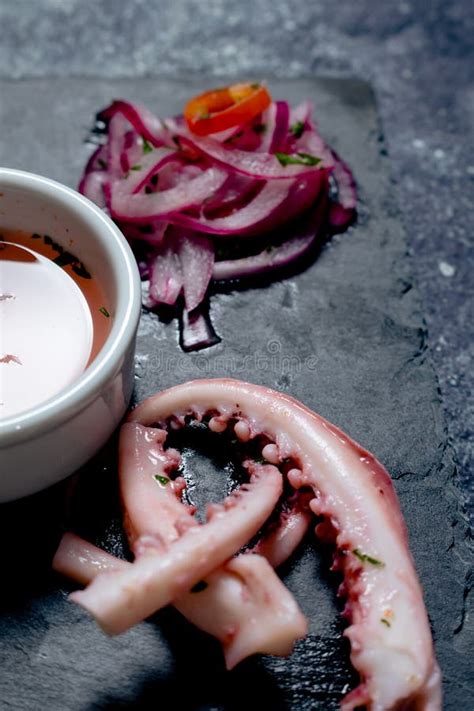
[71,400]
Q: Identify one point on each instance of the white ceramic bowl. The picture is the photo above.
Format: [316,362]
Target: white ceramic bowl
[47,443]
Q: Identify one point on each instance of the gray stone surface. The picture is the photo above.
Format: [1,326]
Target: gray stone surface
[417,53]
[347,338]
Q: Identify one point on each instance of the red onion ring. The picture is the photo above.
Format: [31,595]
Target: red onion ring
[277,257]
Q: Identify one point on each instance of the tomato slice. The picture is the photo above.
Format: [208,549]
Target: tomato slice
[220,109]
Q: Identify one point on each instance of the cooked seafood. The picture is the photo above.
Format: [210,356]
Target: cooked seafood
[391,645]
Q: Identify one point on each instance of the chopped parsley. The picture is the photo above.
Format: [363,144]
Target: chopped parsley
[297,129]
[204,115]
[199,587]
[136,167]
[255,86]
[104,311]
[147,147]
[163,480]
[385,622]
[298,159]
[260,127]
[364,558]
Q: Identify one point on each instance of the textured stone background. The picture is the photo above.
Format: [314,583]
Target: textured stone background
[418,55]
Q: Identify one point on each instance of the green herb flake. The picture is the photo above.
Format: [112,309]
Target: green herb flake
[205,115]
[163,480]
[199,587]
[260,128]
[298,159]
[147,147]
[297,129]
[136,167]
[385,622]
[104,311]
[308,159]
[102,163]
[364,558]
[255,86]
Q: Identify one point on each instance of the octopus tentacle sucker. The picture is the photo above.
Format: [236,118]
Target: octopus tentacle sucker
[242,603]
[391,644]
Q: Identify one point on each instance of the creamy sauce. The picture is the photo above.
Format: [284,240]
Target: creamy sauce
[53,321]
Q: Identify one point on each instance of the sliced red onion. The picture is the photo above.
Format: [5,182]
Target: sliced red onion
[142,120]
[118,127]
[342,212]
[140,173]
[229,133]
[154,234]
[132,151]
[92,186]
[196,254]
[98,160]
[347,195]
[166,276]
[268,127]
[276,257]
[312,142]
[277,201]
[280,133]
[145,208]
[177,173]
[251,215]
[183,261]
[196,329]
[230,195]
[257,165]
[301,113]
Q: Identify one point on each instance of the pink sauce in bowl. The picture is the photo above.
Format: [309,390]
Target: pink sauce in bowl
[46,329]
[53,320]
[55,433]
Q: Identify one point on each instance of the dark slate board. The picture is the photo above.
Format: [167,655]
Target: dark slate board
[346,337]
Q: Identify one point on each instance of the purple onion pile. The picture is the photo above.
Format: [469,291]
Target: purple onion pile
[235,204]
